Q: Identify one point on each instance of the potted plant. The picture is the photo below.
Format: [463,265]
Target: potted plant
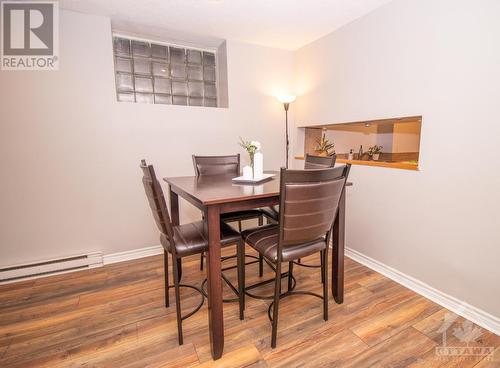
[324,147]
[374,152]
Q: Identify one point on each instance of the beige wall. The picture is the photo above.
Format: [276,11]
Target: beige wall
[439,59]
[70,153]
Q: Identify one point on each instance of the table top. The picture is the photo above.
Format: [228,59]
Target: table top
[217,189]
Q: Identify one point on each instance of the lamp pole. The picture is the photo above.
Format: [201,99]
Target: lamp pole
[286,101]
[286,105]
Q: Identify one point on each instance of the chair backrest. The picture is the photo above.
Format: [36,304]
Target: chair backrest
[156,200]
[216,165]
[309,201]
[319,162]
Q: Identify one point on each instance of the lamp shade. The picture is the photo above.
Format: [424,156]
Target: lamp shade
[286,98]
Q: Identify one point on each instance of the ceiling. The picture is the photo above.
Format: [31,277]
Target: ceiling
[285,24]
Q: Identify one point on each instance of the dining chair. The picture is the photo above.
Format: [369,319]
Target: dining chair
[310,163]
[319,162]
[185,240]
[309,202]
[220,165]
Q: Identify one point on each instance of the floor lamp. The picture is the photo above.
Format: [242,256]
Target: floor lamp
[286,101]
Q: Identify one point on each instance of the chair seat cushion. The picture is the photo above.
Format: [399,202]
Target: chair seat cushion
[271,212]
[191,239]
[241,215]
[264,239]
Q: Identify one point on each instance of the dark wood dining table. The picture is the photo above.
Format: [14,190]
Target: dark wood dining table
[218,194]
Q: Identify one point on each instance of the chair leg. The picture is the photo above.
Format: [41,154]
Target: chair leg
[321,262]
[290,275]
[261,265]
[239,226]
[165,270]
[240,250]
[175,263]
[179,268]
[202,254]
[277,292]
[261,259]
[324,272]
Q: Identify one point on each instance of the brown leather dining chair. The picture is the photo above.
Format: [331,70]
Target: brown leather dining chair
[319,162]
[309,202]
[185,240]
[220,165]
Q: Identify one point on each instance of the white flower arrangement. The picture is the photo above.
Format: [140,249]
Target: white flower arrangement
[256,144]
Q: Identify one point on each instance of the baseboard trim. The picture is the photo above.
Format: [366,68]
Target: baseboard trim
[474,314]
[130,255]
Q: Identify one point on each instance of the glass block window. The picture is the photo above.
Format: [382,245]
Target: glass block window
[154,73]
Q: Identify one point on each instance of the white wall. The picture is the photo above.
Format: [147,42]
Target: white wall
[439,59]
[70,153]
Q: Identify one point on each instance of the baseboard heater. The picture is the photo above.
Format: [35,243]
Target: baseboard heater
[50,267]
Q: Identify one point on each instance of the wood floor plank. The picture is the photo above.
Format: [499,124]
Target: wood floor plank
[13,315]
[318,350]
[47,292]
[74,325]
[122,291]
[395,320]
[361,275]
[58,354]
[243,357]
[139,355]
[492,361]
[398,351]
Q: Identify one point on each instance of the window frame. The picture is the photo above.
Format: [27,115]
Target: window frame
[133,92]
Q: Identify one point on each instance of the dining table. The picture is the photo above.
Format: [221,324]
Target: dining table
[218,194]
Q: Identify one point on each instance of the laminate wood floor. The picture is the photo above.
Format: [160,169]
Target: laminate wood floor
[114,317]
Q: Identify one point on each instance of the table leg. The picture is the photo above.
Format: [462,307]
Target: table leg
[215,312]
[338,252]
[174,208]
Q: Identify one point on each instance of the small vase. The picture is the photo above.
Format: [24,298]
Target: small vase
[376,156]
